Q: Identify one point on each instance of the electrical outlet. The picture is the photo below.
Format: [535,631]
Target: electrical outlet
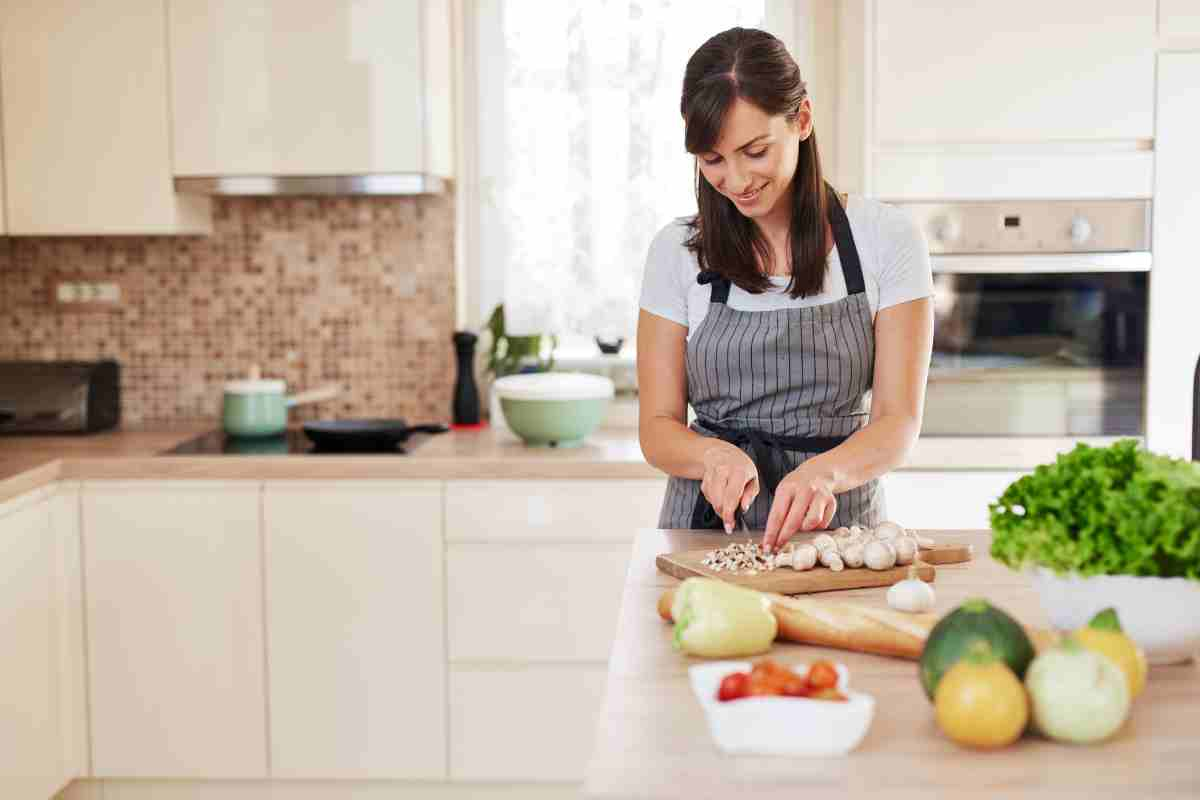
[82,294]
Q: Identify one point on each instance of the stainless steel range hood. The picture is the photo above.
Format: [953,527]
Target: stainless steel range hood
[389,183]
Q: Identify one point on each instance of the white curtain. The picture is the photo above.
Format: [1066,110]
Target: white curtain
[581,149]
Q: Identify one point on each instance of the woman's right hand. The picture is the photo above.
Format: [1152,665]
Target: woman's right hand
[730,479]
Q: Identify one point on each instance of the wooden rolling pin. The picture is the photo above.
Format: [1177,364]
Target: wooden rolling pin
[849,626]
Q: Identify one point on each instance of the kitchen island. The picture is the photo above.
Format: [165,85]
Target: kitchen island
[652,740]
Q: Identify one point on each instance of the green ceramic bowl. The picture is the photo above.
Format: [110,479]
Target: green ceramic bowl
[554,409]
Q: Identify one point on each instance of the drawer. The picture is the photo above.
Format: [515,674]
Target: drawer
[559,510]
[556,602]
[534,723]
[947,499]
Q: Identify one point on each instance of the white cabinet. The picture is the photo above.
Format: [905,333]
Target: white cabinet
[1020,71]
[311,87]
[85,121]
[534,723]
[30,726]
[999,100]
[535,571]
[1175,281]
[557,510]
[550,601]
[1178,18]
[69,631]
[355,619]
[951,499]
[173,575]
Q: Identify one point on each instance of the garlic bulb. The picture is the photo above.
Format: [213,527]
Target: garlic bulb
[911,594]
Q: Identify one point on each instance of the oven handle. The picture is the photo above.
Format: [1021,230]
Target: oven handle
[1041,263]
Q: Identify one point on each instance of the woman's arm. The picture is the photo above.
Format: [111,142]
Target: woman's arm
[727,474]
[903,344]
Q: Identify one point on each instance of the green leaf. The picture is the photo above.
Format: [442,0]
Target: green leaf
[1116,510]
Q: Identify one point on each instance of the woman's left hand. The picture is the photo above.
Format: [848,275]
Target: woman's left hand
[804,501]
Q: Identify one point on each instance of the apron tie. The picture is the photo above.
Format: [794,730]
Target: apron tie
[763,448]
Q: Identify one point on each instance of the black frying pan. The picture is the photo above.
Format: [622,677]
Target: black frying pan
[364,434]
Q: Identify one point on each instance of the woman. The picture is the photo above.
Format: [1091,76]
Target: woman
[773,312]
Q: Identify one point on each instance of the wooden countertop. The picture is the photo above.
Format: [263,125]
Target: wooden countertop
[29,462]
[653,742]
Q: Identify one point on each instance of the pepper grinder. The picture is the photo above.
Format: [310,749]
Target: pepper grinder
[466,392]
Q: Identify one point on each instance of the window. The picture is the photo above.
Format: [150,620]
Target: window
[580,150]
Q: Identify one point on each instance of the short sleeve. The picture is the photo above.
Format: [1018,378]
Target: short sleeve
[664,292]
[905,272]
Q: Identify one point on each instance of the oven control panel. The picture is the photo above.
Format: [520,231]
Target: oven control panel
[1034,226]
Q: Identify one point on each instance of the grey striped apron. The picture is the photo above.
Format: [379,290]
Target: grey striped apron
[783,385]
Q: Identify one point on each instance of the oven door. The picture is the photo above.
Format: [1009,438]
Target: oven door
[1031,346]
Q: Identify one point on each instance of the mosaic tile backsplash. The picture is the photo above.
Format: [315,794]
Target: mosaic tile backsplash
[357,291]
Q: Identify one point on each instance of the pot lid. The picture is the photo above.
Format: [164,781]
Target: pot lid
[554,386]
[260,386]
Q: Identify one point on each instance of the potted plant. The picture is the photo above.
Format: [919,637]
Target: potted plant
[512,354]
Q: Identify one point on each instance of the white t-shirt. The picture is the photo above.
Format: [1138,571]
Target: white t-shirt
[891,248]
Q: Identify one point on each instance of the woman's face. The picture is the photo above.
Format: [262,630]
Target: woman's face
[755,158]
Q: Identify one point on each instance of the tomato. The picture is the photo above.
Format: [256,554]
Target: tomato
[769,677]
[822,675]
[797,687]
[734,686]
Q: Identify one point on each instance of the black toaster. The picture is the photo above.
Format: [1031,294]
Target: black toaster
[59,396]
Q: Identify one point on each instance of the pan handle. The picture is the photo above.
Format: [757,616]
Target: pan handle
[434,427]
[317,395]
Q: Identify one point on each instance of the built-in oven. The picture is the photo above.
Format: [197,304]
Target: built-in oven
[1040,317]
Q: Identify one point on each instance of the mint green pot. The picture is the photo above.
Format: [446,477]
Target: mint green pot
[255,413]
[554,423]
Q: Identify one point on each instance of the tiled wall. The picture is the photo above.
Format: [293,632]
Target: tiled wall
[355,291]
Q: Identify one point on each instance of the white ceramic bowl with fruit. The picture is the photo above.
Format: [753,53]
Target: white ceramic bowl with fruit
[1161,614]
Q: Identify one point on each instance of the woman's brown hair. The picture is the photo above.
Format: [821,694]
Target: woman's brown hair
[754,65]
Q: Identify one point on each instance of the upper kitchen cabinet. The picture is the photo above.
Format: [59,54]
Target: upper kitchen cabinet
[312,87]
[1021,71]
[86,134]
[998,100]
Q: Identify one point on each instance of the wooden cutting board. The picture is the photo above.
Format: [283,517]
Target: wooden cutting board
[687,564]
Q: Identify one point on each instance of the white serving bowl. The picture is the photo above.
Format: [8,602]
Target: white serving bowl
[781,726]
[1161,614]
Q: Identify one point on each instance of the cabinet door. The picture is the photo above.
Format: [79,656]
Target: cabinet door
[29,720]
[72,660]
[1021,71]
[1175,282]
[85,115]
[298,87]
[355,621]
[524,602]
[173,575]
[953,500]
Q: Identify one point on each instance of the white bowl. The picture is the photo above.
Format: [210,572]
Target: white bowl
[781,726]
[1161,614]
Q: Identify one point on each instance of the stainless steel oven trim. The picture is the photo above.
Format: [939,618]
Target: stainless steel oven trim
[1041,263]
